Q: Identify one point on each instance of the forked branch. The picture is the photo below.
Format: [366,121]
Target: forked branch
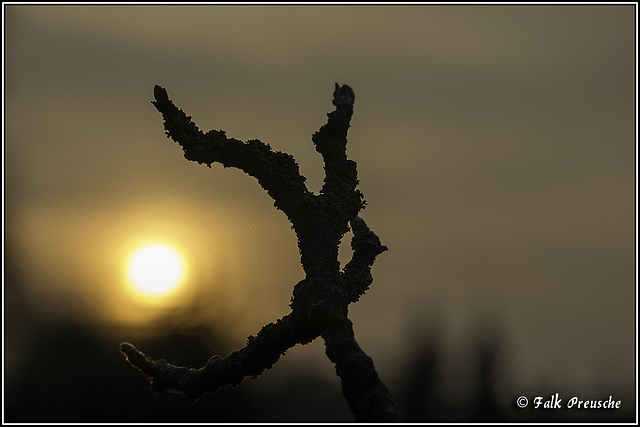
[320,301]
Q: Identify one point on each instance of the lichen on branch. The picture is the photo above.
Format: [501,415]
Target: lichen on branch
[320,301]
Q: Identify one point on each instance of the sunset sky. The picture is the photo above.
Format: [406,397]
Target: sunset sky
[496,150]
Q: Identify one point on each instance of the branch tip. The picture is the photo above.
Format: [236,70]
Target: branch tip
[160,93]
[127,348]
[343,95]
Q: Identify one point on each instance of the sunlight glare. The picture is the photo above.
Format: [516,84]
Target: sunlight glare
[156,270]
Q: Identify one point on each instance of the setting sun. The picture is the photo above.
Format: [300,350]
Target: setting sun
[155,270]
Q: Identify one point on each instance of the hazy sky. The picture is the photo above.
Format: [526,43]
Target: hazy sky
[496,150]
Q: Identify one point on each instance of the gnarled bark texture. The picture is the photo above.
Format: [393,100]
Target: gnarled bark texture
[320,301]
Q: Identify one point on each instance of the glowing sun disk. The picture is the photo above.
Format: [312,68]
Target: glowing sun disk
[155,269]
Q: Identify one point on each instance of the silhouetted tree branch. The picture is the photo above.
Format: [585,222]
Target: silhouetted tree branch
[320,301]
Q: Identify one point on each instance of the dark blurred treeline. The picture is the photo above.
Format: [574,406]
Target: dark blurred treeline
[68,373]
[424,390]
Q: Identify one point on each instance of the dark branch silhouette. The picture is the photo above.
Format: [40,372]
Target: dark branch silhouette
[320,301]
